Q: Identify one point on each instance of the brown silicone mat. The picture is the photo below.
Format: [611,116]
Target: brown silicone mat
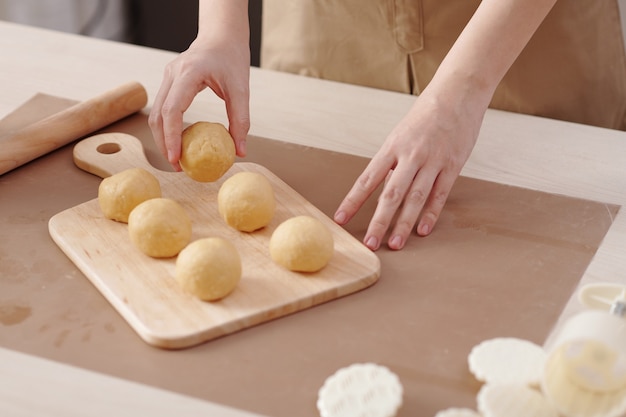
[502,261]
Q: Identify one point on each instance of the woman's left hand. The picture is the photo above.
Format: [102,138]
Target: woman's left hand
[419,162]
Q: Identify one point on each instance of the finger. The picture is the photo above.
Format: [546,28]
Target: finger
[412,205]
[387,178]
[155,119]
[371,177]
[238,111]
[436,202]
[390,200]
[178,100]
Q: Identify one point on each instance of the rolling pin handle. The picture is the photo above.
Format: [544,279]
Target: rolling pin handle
[71,124]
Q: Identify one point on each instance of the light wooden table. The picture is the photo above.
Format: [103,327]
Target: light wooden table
[535,153]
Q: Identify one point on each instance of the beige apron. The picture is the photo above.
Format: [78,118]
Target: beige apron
[574,67]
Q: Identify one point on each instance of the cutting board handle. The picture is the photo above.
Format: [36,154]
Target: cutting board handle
[109,153]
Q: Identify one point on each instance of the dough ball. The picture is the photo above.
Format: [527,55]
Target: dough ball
[119,194]
[246,201]
[209,268]
[208,151]
[302,243]
[159,227]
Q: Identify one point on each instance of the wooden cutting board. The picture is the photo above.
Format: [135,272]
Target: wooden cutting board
[143,289]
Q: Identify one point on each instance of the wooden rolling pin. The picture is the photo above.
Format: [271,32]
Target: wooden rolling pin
[52,132]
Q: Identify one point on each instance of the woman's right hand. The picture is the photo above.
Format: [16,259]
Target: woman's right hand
[219,58]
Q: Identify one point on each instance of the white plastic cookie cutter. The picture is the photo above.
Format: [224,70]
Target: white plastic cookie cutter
[585,374]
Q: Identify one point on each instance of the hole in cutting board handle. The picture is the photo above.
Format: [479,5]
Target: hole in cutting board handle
[108,148]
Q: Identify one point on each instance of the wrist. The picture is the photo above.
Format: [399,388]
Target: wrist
[460,93]
[225,20]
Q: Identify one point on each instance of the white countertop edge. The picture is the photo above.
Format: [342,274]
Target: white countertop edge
[33,386]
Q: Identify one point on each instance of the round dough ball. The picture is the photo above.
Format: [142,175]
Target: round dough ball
[302,243]
[159,227]
[209,268]
[246,201]
[208,151]
[120,193]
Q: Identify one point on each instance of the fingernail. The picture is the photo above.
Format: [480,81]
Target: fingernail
[340,217]
[424,229]
[170,156]
[242,147]
[372,243]
[395,242]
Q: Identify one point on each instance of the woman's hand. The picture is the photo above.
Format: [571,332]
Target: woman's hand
[219,58]
[419,162]
[423,156]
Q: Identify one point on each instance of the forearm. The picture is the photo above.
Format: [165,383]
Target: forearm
[488,46]
[218,19]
